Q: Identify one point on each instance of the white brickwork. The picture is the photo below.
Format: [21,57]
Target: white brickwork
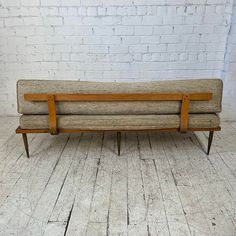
[116,40]
[229,72]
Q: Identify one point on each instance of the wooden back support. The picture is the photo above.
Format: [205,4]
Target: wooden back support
[185,98]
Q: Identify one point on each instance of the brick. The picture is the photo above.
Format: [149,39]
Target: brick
[109,20]
[62,48]
[118,49]
[72,21]
[50,2]
[82,11]
[213,19]
[103,30]
[138,48]
[92,11]
[98,49]
[17,12]
[72,11]
[152,20]
[111,11]
[143,30]
[155,39]
[124,30]
[157,48]
[111,40]
[149,2]
[33,21]
[4,12]
[34,11]
[170,38]
[69,3]
[52,21]
[11,3]
[141,10]
[101,11]
[30,2]
[183,29]
[177,20]
[91,21]
[163,29]
[14,21]
[132,20]
[63,11]
[175,47]
[201,29]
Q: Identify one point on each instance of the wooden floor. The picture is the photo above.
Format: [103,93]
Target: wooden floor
[162,184]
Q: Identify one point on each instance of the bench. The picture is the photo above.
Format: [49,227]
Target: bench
[55,106]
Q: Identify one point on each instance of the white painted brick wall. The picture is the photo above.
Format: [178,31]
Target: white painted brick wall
[229,74]
[115,40]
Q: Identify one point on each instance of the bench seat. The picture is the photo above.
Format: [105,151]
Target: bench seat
[119,122]
[57,106]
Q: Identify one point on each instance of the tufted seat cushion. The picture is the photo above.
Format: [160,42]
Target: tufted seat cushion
[123,122]
[119,108]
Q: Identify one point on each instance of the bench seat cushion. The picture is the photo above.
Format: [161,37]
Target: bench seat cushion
[114,122]
[119,108]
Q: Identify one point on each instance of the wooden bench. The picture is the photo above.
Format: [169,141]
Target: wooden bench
[186,105]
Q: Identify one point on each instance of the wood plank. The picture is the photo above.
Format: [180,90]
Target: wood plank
[144,146]
[225,189]
[184,113]
[118,217]
[118,211]
[195,214]
[52,114]
[101,199]
[17,164]
[13,164]
[11,151]
[160,185]
[65,201]
[55,229]
[71,131]
[22,201]
[208,184]
[155,210]
[40,217]
[96,229]
[175,214]
[6,131]
[118,97]
[136,207]
[82,204]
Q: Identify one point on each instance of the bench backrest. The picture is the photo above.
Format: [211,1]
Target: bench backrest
[213,86]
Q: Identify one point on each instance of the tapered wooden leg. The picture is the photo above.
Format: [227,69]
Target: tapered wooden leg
[118,142]
[210,138]
[26,144]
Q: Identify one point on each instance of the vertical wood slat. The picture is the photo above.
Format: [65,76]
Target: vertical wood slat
[52,114]
[184,113]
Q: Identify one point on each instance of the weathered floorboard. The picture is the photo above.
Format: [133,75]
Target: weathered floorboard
[161,184]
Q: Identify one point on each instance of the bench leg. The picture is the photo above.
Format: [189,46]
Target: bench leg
[26,144]
[210,138]
[118,142]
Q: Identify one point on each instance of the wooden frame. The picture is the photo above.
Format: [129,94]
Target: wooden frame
[51,99]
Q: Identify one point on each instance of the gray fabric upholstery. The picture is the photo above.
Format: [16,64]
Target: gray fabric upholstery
[113,122]
[119,108]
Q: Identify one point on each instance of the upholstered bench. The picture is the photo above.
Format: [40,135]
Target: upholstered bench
[51,106]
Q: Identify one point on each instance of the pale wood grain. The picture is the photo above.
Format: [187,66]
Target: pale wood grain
[82,203]
[19,207]
[162,184]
